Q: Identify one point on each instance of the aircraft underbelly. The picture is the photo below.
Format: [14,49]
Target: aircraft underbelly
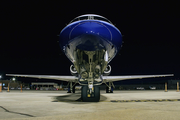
[90,42]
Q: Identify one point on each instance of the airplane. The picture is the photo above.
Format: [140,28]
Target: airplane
[90,42]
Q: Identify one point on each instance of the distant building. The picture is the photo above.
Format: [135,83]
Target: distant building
[12,83]
[44,86]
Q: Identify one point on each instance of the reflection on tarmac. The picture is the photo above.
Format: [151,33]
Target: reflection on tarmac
[73,97]
[62,105]
[76,97]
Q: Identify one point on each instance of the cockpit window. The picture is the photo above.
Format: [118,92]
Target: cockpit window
[91,17]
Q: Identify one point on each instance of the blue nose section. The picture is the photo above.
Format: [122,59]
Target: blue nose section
[90,28]
[93,32]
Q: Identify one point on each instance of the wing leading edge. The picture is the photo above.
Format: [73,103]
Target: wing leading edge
[105,78]
[119,78]
[55,77]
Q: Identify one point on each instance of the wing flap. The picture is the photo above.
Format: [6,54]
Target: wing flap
[119,78]
[55,77]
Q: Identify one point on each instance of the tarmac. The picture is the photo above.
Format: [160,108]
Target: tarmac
[60,105]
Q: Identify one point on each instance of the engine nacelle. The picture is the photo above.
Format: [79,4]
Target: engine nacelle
[73,70]
[107,71]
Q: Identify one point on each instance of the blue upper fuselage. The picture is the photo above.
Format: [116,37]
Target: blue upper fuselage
[91,34]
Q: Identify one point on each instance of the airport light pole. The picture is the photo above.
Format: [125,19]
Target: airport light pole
[0,84]
[177,86]
[12,79]
[166,87]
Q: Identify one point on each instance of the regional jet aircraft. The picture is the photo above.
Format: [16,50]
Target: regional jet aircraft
[90,42]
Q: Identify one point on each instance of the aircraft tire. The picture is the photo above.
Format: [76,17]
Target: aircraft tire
[111,90]
[73,90]
[69,91]
[107,90]
[84,97]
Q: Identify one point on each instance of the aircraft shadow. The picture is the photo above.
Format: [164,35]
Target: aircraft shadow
[74,98]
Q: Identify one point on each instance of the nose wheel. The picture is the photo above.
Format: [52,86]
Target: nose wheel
[86,96]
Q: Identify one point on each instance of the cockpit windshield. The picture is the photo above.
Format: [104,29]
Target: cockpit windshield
[91,17]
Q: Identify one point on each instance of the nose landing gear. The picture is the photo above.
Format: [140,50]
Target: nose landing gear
[86,96]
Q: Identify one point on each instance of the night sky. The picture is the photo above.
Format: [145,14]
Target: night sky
[28,43]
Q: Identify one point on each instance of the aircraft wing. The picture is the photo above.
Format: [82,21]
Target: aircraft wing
[55,77]
[105,78]
[119,78]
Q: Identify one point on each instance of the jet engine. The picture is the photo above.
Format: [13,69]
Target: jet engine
[73,70]
[107,71]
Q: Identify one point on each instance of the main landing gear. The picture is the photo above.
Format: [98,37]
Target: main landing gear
[71,88]
[90,96]
[109,88]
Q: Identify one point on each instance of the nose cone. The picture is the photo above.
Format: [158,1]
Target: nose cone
[90,35]
[92,28]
